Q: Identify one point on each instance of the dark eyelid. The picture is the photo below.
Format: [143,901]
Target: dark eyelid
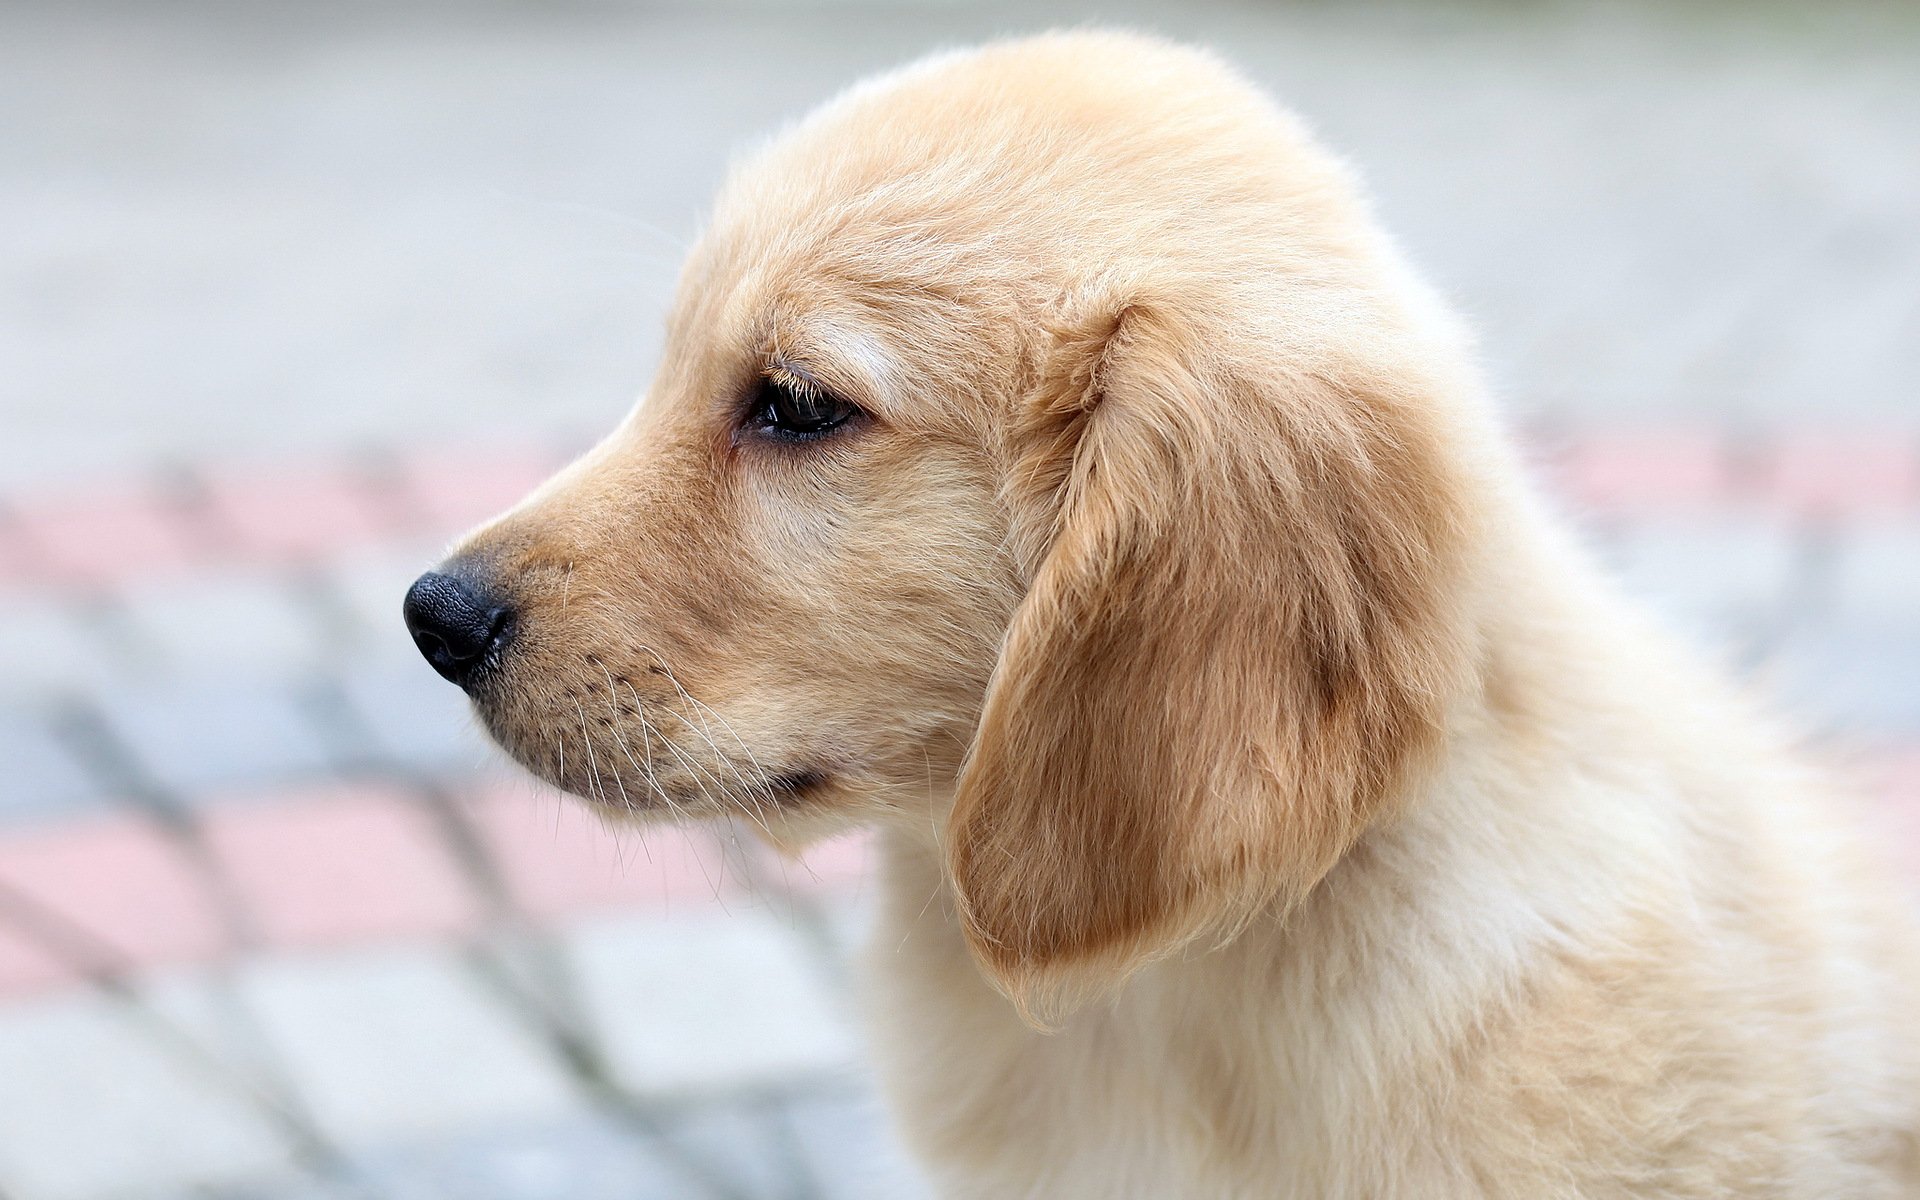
[767,415]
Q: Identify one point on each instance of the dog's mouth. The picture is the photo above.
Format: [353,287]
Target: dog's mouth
[644,759]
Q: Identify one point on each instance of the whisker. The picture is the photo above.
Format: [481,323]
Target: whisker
[626,802]
[598,789]
[620,740]
[685,819]
[753,794]
[700,773]
[651,735]
[706,735]
[765,776]
[748,792]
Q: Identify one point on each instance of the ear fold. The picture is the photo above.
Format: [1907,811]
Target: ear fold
[1237,644]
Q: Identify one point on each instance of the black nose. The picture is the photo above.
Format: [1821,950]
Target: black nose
[458,629]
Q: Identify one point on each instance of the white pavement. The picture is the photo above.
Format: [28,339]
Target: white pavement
[235,229]
[232,232]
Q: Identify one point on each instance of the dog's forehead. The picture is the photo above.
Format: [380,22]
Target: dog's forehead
[939,214]
[994,141]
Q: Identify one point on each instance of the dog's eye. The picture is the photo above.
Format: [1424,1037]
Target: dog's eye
[797,410]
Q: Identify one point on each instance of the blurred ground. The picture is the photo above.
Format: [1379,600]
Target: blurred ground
[289,294]
[236,228]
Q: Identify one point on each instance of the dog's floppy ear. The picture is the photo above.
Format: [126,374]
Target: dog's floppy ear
[1238,640]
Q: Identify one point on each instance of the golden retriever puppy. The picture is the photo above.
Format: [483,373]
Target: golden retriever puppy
[1053,468]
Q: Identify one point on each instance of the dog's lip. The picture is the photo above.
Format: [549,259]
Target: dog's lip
[781,787]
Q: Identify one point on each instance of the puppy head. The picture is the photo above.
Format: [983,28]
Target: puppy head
[1046,453]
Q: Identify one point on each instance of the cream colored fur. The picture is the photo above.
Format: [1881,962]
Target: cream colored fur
[1275,803]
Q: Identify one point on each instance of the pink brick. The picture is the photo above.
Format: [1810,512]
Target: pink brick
[298,513]
[120,880]
[1897,814]
[339,865]
[837,865]
[26,966]
[21,565]
[1637,471]
[1900,777]
[1842,474]
[559,858]
[1901,772]
[460,489]
[108,534]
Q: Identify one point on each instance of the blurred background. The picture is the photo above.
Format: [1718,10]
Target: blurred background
[291,293]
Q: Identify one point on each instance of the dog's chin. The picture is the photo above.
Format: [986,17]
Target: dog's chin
[790,815]
[797,803]
[791,802]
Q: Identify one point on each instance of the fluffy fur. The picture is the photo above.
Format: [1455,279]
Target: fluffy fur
[1275,803]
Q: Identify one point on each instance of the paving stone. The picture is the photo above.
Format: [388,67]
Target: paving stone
[1876,575]
[748,1143]
[850,919]
[1751,145]
[47,646]
[1642,470]
[591,1158]
[299,511]
[1715,580]
[396,1044]
[371,584]
[418,718]
[28,967]
[198,1009]
[849,1142]
[341,864]
[837,864]
[524,962]
[1898,776]
[462,489]
[22,566]
[1706,144]
[222,734]
[560,858]
[1852,681]
[107,534]
[1842,472]
[579,1160]
[40,776]
[700,1002]
[117,880]
[588,1160]
[230,622]
[92,1108]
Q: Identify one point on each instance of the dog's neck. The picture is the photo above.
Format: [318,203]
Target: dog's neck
[1420,930]
[1548,665]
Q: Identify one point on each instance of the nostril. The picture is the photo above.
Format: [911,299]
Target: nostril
[455,627]
[429,642]
[499,630]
